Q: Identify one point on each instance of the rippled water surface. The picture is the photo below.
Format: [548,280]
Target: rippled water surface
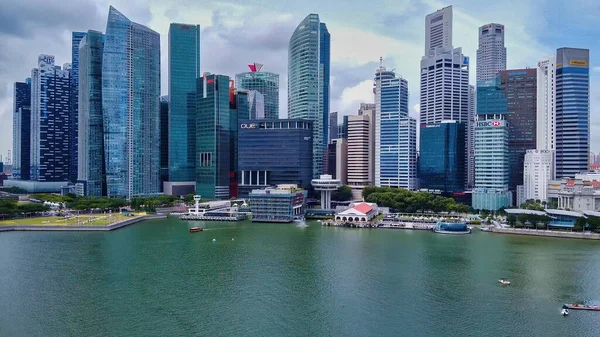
[156,279]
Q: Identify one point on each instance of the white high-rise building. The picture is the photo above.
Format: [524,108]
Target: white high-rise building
[537,172]
[491,54]
[438,31]
[471,137]
[546,108]
[361,143]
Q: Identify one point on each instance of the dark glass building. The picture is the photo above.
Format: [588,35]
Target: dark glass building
[442,156]
[22,130]
[273,152]
[333,126]
[164,140]
[265,83]
[520,87]
[73,113]
[324,59]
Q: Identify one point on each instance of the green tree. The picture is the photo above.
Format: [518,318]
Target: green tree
[594,223]
[579,224]
[344,193]
[511,219]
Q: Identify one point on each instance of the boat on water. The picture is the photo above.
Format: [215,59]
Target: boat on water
[299,218]
[581,307]
[453,228]
[504,282]
[564,312]
[196,229]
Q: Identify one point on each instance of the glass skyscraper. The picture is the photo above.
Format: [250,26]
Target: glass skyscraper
[74,115]
[308,82]
[572,111]
[90,126]
[21,130]
[265,83]
[184,69]
[164,140]
[130,104]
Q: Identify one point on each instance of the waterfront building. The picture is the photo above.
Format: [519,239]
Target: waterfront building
[50,118]
[333,126]
[21,130]
[273,152]
[491,148]
[90,176]
[395,133]
[361,144]
[164,142]
[265,83]
[520,88]
[131,106]
[358,213]
[184,69]
[581,193]
[279,204]
[308,81]
[76,37]
[491,54]
[442,156]
[572,111]
[537,173]
[326,185]
[471,137]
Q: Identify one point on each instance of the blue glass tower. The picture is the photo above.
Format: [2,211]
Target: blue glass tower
[184,69]
[74,115]
[572,111]
[324,59]
[130,105]
[265,83]
[91,132]
[22,130]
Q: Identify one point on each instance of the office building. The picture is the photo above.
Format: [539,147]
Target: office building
[361,151]
[184,69]
[130,102]
[442,157]
[471,137]
[579,193]
[274,152]
[164,142]
[341,160]
[438,31]
[265,83]
[333,126]
[546,107]
[572,111]
[50,118]
[395,133]
[308,82]
[74,114]
[21,130]
[491,54]
[280,204]
[520,88]
[330,158]
[537,173]
[90,176]
[343,127]
[491,148]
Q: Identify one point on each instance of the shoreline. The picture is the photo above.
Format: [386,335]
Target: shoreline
[546,233]
[54,228]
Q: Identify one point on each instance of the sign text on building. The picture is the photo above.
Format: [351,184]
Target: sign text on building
[248,126]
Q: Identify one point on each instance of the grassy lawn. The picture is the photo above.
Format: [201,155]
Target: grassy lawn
[84,220]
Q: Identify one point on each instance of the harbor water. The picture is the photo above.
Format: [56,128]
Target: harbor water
[157,279]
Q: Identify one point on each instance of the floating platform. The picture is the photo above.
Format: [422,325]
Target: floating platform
[581,307]
[240,217]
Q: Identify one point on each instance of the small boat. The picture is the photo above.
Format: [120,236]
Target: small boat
[214,240]
[564,312]
[196,229]
[504,282]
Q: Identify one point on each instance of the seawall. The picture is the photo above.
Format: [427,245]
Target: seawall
[114,226]
[546,233]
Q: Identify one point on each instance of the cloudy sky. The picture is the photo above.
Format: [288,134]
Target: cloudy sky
[238,32]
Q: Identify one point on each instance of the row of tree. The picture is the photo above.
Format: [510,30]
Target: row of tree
[10,207]
[405,201]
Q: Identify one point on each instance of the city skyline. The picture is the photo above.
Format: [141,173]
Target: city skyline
[351,67]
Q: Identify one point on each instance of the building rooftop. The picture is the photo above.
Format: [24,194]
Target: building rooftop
[564,213]
[523,211]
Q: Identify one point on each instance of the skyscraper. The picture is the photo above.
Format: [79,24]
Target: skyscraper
[395,133]
[361,150]
[308,81]
[546,105]
[21,130]
[130,104]
[333,126]
[164,141]
[471,137]
[572,111]
[491,54]
[74,115]
[265,83]
[91,171]
[184,69]
[537,173]
[442,156]
[438,31]
[213,137]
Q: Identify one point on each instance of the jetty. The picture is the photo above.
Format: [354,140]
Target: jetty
[236,217]
[581,307]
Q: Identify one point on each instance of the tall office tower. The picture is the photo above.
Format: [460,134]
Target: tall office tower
[90,176]
[438,31]
[442,156]
[265,83]
[537,173]
[308,81]
[572,111]
[240,106]
[395,133]
[341,160]
[546,109]
[520,88]
[471,137]
[50,108]
[491,148]
[491,54]
[361,150]
[21,130]
[213,137]
[343,127]
[130,104]
[333,126]
[330,155]
[164,141]
[74,115]
[184,69]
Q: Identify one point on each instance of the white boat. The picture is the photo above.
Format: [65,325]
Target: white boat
[564,312]
[504,282]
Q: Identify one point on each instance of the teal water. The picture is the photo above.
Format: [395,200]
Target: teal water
[156,279]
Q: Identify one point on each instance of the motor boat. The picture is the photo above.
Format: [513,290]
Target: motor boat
[196,229]
[504,282]
[564,312]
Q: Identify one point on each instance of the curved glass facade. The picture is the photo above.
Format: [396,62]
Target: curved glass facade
[130,104]
[308,81]
[265,83]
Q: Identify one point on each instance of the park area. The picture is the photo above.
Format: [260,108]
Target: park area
[71,220]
